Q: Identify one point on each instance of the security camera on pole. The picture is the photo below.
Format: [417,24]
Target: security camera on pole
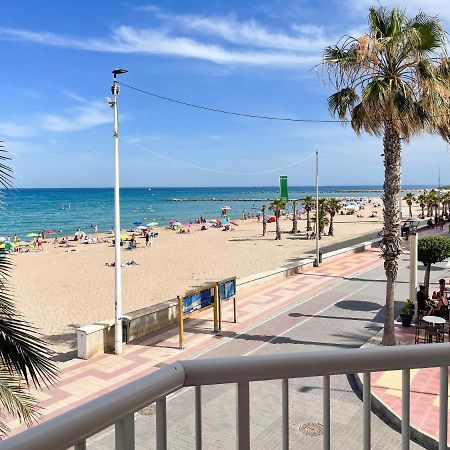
[117,262]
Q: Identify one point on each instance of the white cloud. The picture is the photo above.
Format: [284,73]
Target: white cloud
[14,129]
[76,97]
[78,118]
[88,115]
[306,37]
[275,49]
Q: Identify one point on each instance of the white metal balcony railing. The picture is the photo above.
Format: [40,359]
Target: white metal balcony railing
[118,407]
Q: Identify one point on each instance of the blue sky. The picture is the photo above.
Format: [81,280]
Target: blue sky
[255,57]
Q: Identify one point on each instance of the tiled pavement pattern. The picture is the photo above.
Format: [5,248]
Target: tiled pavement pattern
[424,387]
[82,381]
[346,315]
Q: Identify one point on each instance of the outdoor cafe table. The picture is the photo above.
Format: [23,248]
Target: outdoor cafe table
[435,320]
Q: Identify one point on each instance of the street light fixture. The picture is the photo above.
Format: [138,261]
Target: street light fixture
[117,261]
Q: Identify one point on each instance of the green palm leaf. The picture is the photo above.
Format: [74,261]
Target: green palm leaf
[24,357]
[16,401]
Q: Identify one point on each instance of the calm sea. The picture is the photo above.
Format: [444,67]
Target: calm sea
[30,210]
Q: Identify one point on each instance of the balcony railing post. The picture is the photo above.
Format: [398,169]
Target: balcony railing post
[443,408]
[405,408]
[326,413]
[366,412]
[198,417]
[161,424]
[285,412]
[243,416]
[124,433]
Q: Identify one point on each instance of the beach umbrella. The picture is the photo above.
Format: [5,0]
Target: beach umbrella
[225,207]
[352,207]
[177,224]
[152,224]
[137,223]
[32,235]
[141,227]
[2,239]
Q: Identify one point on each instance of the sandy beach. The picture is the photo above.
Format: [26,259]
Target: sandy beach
[61,289]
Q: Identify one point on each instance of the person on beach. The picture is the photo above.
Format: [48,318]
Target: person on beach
[40,245]
[147,238]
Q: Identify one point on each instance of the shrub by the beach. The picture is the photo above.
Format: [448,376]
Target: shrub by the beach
[431,250]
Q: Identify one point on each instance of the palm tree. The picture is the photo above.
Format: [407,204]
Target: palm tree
[393,82]
[432,202]
[332,206]
[264,223]
[323,221]
[309,205]
[422,201]
[446,202]
[294,217]
[24,357]
[277,206]
[409,199]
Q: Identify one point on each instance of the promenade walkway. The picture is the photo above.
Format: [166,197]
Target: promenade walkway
[81,381]
[338,305]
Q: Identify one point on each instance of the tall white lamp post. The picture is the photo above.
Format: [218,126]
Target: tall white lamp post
[317,260]
[117,261]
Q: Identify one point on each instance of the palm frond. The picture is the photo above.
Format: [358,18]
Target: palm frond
[431,34]
[342,101]
[5,171]
[16,400]
[22,351]
[378,22]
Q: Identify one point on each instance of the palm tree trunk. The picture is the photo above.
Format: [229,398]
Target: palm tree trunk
[390,246]
[410,210]
[426,278]
[264,224]
[277,226]
[331,227]
[423,212]
[294,219]
[308,222]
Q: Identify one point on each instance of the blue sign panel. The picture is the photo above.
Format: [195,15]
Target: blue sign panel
[197,301]
[227,289]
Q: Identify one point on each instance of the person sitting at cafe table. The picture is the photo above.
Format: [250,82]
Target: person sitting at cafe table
[441,307]
[442,287]
[424,304]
